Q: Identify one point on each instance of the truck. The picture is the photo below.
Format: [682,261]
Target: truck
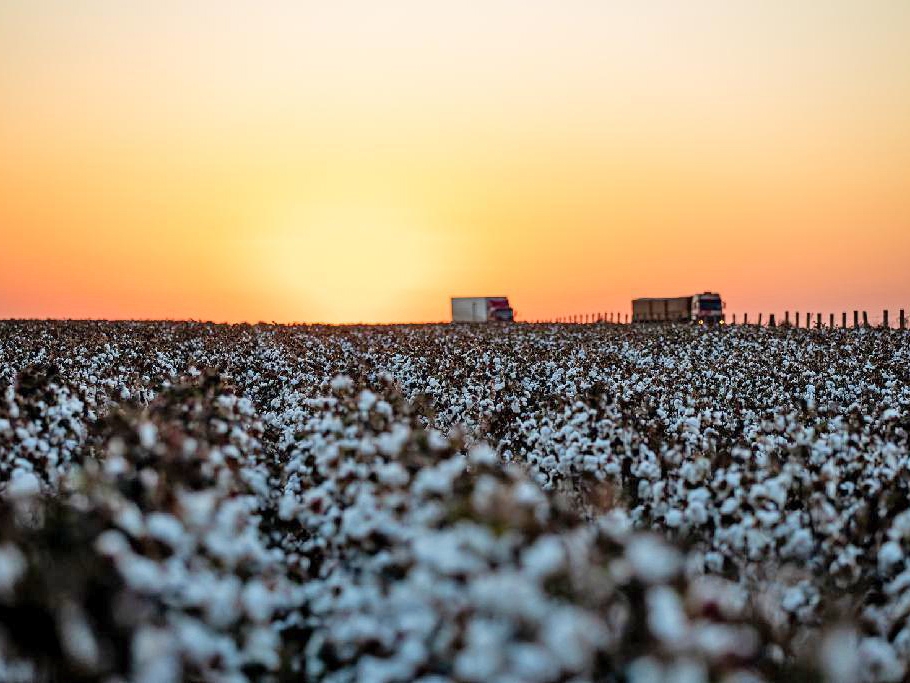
[705,308]
[481,309]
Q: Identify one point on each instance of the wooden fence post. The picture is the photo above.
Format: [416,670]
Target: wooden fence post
[843,319]
[771,320]
[903,320]
[885,322]
[865,319]
[734,318]
[797,319]
[831,322]
[855,319]
[745,318]
[786,318]
[759,319]
[818,321]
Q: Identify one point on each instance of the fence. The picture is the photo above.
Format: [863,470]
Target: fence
[813,320]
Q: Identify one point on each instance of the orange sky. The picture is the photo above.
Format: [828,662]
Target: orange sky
[365,161]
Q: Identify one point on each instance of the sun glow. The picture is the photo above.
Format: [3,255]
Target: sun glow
[342,260]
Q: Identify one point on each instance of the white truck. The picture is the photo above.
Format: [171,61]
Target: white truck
[481,309]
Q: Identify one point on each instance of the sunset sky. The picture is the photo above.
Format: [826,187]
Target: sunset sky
[364,161]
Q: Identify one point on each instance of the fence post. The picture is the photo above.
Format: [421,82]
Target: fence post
[745,318]
[903,320]
[808,320]
[855,319]
[786,318]
[771,320]
[797,319]
[865,319]
[759,319]
[885,322]
[844,319]
[818,321]
[831,322]
[734,318]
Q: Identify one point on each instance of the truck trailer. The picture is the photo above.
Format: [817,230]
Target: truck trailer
[704,308]
[481,309]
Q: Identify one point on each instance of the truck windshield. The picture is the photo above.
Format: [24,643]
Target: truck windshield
[709,304]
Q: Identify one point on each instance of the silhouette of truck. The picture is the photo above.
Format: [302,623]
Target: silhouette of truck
[481,309]
[704,308]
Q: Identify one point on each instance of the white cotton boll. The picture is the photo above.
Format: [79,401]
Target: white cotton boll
[436,441]
[115,465]
[714,562]
[223,606]
[799,545]
[23,485]
[130,519]
[154,656]
[531,663]
[258,601]
[262,646]
[482,454]
[673,518]
[341,383]
[12,567]
[392,474]
[288,506]
[197,507]
[793,599]
[721,641]
[439,478]
[544,558]
[393,442]
[76,636]
[112,543]
[140,573]
[666,617]
[366,400]
[166,528]
[890,414]
[573,637]
[652,560]
[729,506]
[839,657]
[148,434]
[697,513]
[879,661]
[889,555]
[482,657]
[647,670]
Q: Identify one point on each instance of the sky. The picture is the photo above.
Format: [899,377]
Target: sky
[358,161]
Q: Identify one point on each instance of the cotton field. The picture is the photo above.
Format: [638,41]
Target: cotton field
[187,501]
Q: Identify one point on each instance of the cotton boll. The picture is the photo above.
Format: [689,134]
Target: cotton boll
[652,560]
[23,485]
[889,555]
[12,566]
[839,656]
[148,434]
[666,617]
